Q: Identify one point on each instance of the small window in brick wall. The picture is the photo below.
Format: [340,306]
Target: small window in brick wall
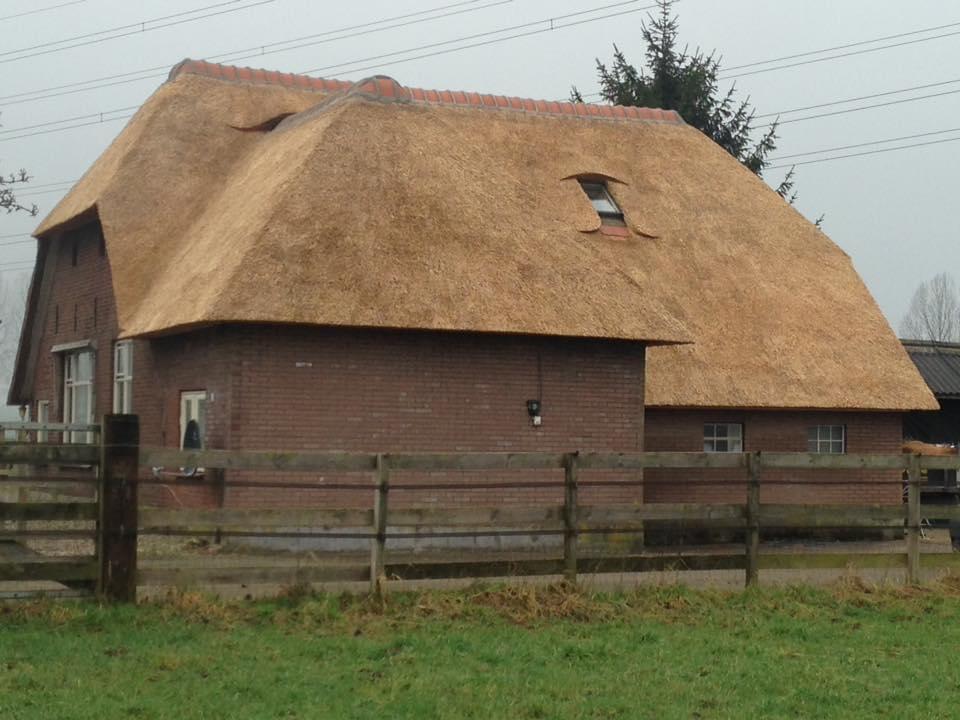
[828,439]
[722,437]
[193,407]
[123,377]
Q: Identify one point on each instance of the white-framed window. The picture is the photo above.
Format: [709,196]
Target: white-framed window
[722,437]
[831,439]
[123,377]
[193,406]
[78,398]
[43,416]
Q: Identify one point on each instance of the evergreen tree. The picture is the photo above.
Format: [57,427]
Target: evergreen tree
[674,79]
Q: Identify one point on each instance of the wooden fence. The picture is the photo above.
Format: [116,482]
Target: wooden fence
[55,487]
[120,520]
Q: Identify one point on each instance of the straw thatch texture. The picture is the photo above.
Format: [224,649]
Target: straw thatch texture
[413,214]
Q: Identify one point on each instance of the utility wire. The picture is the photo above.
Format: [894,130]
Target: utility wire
[363,29]
[861,154]
[31,193]
[65,127]
[864,107]
[551,23]
[17,265]
[864,144]
[838,56]
[118,28]
[844,47]
[162,70]
[142,29]
[40,10]
[99,115]
[16,242]
[861,97]
[850,100]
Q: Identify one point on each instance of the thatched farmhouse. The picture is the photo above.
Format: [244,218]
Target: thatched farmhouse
[300,263]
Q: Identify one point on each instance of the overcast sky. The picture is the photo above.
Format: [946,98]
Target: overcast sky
[893,212]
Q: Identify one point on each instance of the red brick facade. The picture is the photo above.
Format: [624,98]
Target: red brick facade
[309,388]
[773,431]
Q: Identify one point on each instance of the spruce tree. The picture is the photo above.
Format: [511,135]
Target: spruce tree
[674,79]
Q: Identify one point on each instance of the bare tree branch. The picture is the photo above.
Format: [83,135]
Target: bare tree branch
[934,312]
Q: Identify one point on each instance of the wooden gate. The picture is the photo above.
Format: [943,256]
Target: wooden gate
[66,498]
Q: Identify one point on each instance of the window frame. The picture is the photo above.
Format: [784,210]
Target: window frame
[192,395]
[123,380]
[72,386]
[710,435]
[612,216]
[816,442]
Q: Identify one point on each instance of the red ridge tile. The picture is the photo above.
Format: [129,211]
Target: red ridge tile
[381,86]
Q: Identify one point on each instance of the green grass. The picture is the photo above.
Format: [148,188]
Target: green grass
[852,651]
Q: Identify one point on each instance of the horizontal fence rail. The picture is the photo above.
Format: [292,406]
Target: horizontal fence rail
[385,483]
[431,462]
[382,523]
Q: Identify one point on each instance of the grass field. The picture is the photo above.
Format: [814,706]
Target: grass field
[851,651]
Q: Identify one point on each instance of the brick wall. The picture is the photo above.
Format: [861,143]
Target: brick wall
[372,390]
[773,431]
[302,388]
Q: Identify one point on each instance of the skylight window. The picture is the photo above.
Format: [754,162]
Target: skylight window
[606,207]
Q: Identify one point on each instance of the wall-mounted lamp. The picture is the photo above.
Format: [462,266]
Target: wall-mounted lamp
[533,410]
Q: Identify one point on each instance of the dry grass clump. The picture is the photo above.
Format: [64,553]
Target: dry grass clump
[53,612]
[202,608]
[522,604]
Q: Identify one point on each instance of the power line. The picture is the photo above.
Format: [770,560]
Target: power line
[864,107]
[69,119]
[142,29]
[162,70]
[867,152]
[66,127]
[15,242]
[118,28]
[838,56]
[552,24]
[17,264]
[43,9]
[862,97]
[31,186]
[843,47]
[865,144]
[849,100]
[364,29]
[552,21]
[43,192]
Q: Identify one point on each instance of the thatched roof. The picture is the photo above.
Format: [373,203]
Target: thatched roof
[380,206]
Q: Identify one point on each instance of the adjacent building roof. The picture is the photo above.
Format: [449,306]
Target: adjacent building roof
[237,195]
[939,364]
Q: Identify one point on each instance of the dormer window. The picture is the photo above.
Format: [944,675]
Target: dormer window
[603,202]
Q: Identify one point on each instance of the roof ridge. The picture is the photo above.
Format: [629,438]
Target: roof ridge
[930,344]
[386,88]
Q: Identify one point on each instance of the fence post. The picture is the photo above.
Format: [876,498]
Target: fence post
[379,541]
[570,463]
[117,527]
[753,519]
[913,520]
